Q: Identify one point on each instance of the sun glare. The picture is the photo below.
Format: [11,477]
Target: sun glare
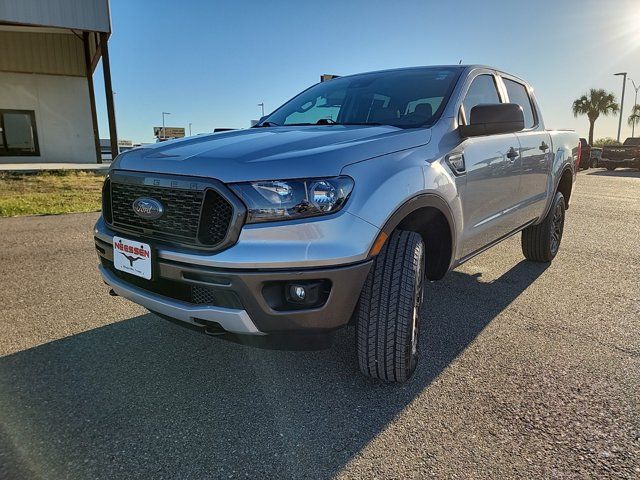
[630,28]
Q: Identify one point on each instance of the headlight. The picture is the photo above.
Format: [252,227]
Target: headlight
[275,200]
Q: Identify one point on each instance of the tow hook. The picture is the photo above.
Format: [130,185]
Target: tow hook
[213,332]
[210,328]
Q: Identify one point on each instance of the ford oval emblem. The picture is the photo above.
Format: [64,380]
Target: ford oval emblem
[148,208]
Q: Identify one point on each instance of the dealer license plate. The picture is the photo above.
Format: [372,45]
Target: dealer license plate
[132,257]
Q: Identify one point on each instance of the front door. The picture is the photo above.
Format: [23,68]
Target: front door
[492,168]
[490,195]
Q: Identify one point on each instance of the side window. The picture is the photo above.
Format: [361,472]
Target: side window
[518,94]
[482,90]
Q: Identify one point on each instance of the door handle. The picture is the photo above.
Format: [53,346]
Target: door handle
[512,154]
[544,147]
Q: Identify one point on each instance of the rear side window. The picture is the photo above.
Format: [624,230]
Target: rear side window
[482,90]
[518,94]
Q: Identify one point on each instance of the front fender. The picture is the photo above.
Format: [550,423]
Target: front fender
[389,188]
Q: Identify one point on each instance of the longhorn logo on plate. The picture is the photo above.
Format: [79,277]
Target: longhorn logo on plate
[148,208]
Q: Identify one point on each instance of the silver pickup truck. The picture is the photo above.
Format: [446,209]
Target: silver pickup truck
[336,207]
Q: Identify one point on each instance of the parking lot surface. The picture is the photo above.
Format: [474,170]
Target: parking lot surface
[527,370]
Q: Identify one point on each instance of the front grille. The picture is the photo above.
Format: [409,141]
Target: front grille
[216,214]
[180,219]
[201,216]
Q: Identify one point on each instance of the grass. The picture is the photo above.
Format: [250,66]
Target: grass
[49,193]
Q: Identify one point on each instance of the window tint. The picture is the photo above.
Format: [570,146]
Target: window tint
[404,98]
[518,94]
[18,133]
[482,90]
[322,107]
[434,104]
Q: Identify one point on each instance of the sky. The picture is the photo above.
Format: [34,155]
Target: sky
[210,63]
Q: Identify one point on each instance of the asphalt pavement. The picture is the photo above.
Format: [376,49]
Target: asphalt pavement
[527,371]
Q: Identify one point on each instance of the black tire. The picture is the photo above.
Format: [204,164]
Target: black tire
[387,314]
[540,243]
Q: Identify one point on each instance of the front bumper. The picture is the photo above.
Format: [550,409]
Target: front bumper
[234,321]
[242,298]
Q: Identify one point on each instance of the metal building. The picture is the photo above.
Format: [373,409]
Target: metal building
[49,50]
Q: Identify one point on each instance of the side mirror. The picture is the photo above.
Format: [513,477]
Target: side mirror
[492,119]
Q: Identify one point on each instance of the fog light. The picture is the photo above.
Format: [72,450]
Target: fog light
[298,292]
[307,294]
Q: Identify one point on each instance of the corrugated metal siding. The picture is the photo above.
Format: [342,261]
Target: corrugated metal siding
[90,15]
[51,53]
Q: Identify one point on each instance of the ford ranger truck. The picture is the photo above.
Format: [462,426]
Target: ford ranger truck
[335,208]
[626,155]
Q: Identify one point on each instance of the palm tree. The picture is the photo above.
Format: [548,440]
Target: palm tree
[634,119]
[595,103]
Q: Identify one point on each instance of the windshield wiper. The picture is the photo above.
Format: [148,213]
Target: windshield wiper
[374,124]
[329,121]
[320,122]
[267,124]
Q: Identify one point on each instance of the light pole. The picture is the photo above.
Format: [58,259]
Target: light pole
[624,83]
[189,128]
[262,105]
[635,102]
[164,133]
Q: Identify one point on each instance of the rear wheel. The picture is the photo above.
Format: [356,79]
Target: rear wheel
[388,312]
[540,243]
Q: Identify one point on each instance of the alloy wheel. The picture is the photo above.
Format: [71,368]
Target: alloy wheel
[557,224]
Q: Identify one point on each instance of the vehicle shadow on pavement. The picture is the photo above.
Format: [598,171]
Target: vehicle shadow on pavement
[146,398]
[629,173]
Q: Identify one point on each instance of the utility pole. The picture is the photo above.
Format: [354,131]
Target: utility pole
[635,102]
[164,133]
[624,83]
[189,128]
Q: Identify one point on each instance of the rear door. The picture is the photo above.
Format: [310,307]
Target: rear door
[535,154]
[492,167]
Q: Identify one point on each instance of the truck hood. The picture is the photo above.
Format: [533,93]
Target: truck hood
[271,153]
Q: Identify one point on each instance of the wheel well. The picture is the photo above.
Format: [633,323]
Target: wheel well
[434,228]
[564,186]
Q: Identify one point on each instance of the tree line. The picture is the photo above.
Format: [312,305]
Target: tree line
[598,102]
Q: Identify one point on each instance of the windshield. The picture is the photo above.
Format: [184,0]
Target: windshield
[632,142]
[403,98]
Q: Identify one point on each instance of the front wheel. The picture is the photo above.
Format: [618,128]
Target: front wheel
[540,243]
[388,312]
